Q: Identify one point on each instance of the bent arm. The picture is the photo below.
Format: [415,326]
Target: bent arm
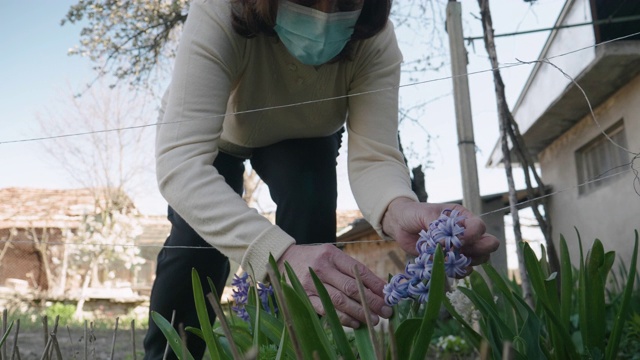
[187,143]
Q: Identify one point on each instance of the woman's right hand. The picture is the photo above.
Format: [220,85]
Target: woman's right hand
[334,269]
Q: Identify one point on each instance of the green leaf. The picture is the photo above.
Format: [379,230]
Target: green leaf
[311,341]
[566,282]
[274,266]
[241,336]
[618,326]
[481,288]
[301,294]
[203,316]
[535,273]
[436,293]
[491,316]
[582,296]
[272,328]
[474,338]
[405,336]
[363,343]
[594,299]
[173,339]
[509,309]
[6,334]
[339,336]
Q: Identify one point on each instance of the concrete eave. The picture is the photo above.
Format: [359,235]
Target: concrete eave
[614,65]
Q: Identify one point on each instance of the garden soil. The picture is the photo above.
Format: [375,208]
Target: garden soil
[72,344]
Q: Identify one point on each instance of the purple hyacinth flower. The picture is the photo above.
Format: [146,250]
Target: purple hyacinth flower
[456,264]
[425,244]
[446,230]
[241,312]
[396,289]
[241,295]
[421,267]
[264,293]
[420,291]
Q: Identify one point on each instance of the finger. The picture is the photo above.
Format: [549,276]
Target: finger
[350,308]
[345,319]
[477,260]
[345,263]
[348,286]
[474,227]
[483,246]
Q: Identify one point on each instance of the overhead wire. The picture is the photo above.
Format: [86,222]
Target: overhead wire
[503,209]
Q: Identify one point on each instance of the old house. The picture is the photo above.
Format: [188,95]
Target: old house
[588,159]
[39,244]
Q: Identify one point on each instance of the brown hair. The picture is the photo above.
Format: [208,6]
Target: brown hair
[251,18]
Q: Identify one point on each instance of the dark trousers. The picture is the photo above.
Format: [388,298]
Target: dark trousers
[301,175]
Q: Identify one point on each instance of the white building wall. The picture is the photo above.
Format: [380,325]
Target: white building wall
[547,82]
[612,211]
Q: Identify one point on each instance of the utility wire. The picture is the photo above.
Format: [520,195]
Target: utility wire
[597,22]
[508,65]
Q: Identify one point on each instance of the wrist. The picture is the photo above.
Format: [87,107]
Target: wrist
[392,216]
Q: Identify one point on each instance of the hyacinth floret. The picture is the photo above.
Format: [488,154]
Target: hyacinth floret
[446,230]
[397,289]
[455,265]
[414,282]
[265,292]
[419,290]
[241,295]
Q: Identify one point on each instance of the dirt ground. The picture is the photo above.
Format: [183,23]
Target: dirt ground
[31,344]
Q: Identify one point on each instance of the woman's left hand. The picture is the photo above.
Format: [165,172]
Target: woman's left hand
[405,218]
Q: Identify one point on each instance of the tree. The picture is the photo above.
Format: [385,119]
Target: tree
[128,39]
[108,237]
[111,159]
[509,132]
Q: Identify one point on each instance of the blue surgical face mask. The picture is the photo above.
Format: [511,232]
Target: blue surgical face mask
[312,36]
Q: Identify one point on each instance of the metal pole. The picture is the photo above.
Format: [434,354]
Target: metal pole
[466,144]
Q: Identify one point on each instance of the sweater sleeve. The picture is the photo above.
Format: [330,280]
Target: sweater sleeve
[208,59]
[377,171]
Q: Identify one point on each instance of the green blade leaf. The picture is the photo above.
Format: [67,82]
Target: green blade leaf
[339,336]
[301,294]
[310,339]
[594,299]
[474,338]
[273,329]
[363,343]
[6,334]
[436,293]
[618,326]
[566,283]
[405,336]
[203,316]
[499,282]
[535,273]
[173,339]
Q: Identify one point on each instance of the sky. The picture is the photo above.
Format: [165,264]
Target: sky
[37,76]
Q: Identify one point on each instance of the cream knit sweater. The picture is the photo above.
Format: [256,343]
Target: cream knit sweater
[233,94]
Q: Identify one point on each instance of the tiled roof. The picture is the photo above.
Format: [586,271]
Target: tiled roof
[30,207]
[346,217]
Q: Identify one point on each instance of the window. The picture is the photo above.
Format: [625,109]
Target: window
[601,160]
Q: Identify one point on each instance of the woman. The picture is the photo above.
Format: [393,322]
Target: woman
[275,81]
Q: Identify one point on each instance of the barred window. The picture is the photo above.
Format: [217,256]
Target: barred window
[601,161]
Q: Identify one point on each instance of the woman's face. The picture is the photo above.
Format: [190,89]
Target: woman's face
[331,6]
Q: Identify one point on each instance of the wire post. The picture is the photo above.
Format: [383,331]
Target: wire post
[462,103]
